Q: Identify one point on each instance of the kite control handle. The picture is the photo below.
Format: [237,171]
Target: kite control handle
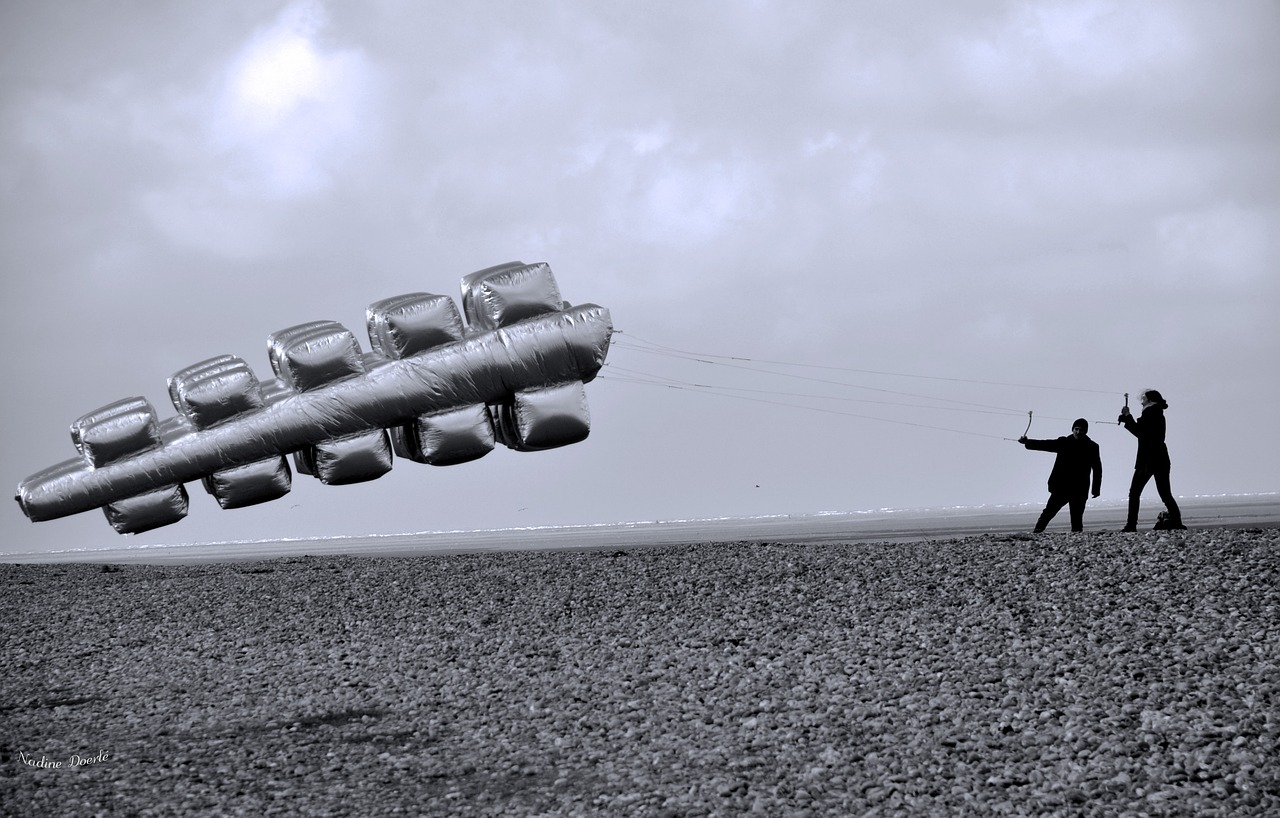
[431,390]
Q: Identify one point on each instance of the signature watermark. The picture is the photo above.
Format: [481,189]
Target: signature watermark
[75,760]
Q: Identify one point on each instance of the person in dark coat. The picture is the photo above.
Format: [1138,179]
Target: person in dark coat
[1069,483]
[1152,459]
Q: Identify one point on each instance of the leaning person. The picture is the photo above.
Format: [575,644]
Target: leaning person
[1152,460]
[1069,482]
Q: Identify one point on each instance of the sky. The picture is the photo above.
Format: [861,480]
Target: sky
[847,247]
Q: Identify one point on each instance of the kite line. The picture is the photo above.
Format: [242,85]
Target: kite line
[759,369]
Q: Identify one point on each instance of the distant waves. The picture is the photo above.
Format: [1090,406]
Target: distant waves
[882,525]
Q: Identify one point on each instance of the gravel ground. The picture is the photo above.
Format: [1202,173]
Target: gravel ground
[1098,674]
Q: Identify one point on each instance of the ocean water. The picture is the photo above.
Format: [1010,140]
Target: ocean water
[878,525]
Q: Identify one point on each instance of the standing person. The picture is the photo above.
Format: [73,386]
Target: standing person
[1152,460]
[1069,481]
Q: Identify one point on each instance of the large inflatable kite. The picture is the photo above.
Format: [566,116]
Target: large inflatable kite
[432,390]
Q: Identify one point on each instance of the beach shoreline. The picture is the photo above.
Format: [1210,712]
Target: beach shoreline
[885,525]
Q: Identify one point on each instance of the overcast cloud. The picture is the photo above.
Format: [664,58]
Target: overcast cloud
[1080,195]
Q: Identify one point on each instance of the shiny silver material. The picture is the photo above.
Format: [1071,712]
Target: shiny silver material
[430,390]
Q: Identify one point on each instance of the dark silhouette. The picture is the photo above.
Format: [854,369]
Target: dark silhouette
[1152,460]
[1069,483]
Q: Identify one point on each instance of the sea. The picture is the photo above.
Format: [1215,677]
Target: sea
[879,525]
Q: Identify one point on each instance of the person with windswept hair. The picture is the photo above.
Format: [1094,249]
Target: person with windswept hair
[1152,459]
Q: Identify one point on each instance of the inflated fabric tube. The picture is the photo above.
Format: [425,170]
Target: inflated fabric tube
[215,390]
[413,323]
[549,417]
[319,355]
[250,484]
[483,368]
[116,431]
[501,296]
[442,389]
[144,512]
[352,458]
[453,437]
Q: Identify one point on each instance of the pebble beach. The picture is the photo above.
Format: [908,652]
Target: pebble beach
[1101,674]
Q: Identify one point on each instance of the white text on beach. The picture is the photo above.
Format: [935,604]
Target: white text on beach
[75,760]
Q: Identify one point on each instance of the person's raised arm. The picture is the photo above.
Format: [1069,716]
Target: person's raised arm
[1127,421]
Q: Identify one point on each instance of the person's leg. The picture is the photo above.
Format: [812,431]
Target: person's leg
[1166,495]
[1056,502]
[1077,511]
[1140,477]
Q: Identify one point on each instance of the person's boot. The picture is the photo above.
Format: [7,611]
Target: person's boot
[1041,525]
[1132,524]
